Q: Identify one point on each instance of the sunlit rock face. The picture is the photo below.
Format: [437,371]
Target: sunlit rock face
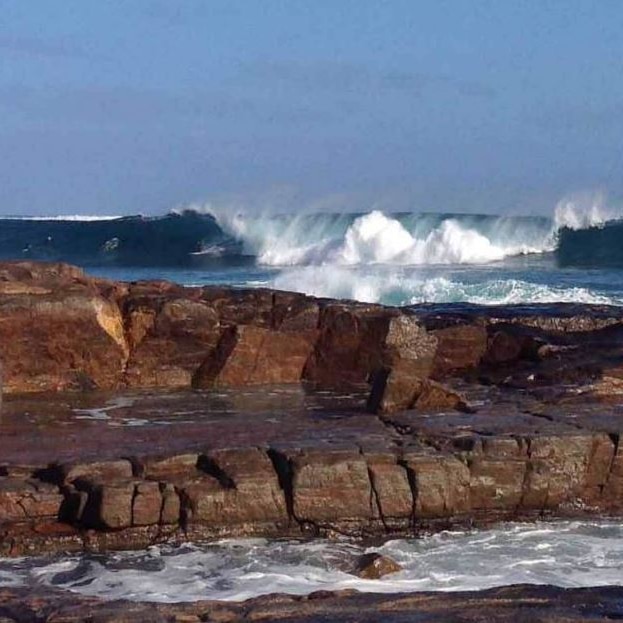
[272,413]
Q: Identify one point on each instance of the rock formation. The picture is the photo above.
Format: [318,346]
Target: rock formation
[475,414]
[373,566]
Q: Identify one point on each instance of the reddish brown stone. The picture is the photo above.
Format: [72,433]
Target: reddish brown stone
[108,505]
[240,486]
[391,489]
[146,504]
[459,347]
[28,499]
[250,355]
[331,486]
[44,338]
[441,483]
[170,338]
[173,468]
[350,345]
[171,508]
[101,470]
[374,566]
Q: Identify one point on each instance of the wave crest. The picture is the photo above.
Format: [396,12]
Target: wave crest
[379,238]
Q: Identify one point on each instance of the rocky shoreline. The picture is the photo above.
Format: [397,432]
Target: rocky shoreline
[403,420]
[474,414]
[516,604]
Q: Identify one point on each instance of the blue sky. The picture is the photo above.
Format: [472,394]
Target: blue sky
[130,106]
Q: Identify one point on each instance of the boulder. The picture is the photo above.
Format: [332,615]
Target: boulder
[170,335]
[44,337]
[373,566]
[330,486]
[234,487]
[459,347]
[394,391]
[350,345]
[22,500]
[249,355]
[408,357]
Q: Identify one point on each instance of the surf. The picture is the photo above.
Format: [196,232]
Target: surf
[560,553]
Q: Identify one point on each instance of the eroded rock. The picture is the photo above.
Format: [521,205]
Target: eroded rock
[373,566]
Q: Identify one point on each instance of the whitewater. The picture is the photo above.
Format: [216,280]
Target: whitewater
[375,256]
[562,553]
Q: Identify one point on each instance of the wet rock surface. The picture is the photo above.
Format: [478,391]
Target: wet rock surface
[522,604]
[373,566]
[148,412]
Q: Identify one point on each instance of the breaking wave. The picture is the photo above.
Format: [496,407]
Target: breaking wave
[379,238]
[579,234]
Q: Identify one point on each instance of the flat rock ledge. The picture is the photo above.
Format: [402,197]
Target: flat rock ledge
[474,414]
[516,604]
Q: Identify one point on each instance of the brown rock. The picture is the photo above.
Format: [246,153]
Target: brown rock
[248,355]
[171,506]
[170,336]
[146,504]
[239,486]
[350,345]
[408,358]
[435,396]
[398,391]
[459,347]
[99,470]
[28,499]
[496,483]
[374,566]
[173,468]
[391,488]
[504,347]
[329,486]
[393,391]
[441,481]
[108,505]
[44,337]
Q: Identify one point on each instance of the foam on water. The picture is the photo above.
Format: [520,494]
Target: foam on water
[584,210]
[377,237]
[566,554]
[409,288]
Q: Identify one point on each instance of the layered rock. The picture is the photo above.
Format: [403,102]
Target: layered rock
[510,603]
[477,414]
[63,330]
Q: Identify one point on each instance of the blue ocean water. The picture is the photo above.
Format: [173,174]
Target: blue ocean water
[392,258]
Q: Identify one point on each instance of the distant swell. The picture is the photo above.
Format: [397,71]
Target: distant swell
[597,246]
[182,240]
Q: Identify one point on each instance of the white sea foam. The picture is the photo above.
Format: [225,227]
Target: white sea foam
[566,554]
[379,238]
[376,238]
[583,210]
[408,288]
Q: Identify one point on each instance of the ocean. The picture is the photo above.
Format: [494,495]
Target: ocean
[391,258]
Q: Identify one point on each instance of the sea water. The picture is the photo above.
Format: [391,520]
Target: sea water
[392,258]
[562,553]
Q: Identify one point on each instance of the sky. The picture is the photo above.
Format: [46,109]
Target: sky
[138,106]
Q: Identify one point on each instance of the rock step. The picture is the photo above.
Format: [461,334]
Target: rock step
[276,491]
